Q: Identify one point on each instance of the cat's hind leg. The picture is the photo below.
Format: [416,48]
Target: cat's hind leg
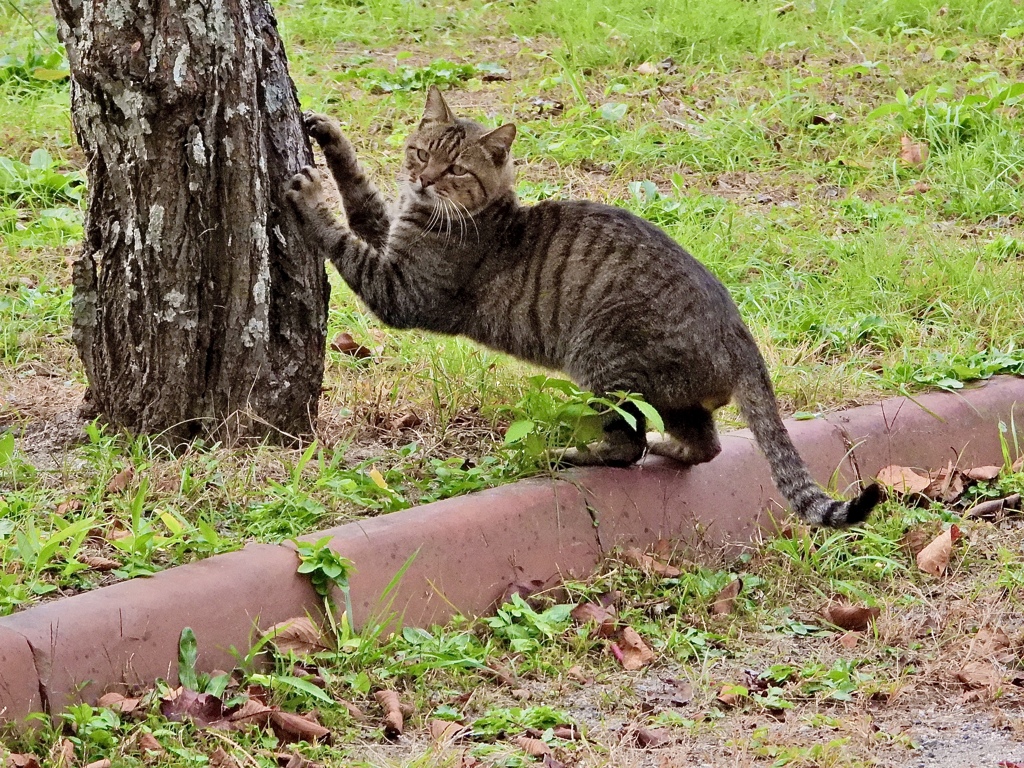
[621,445]
[691,436]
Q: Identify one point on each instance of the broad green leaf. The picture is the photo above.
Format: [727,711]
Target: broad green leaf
[651,413]
[517,430]
[188,657]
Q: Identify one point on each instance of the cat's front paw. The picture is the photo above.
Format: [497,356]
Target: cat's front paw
[306,191]
[325,131]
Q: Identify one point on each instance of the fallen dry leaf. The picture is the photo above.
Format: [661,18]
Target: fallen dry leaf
[850,640]
[181,704]
[97,563]
[854,618]
[587,613]
[903,480]
[299,636]
[62,755]
[447,731]
[527,590]
[118,702]
[913,153]
[221,759]
[990,509]
[729,695]
[979,674]
[634,651]
[394,721]
[72,505]
[104,763]
[148,743]
[934,558]
[983,474]
[994,644]
[917,188]
[121,480]
[947,485]
[576,673]
[567,732]
[354,712]
[407,420]
[1018,465]
[294,760]
[289,726]
[916,539]
[647,69]
[22,760]
[345,344]
[650,565]
[533,747]
[251,712]
[645,738]
[725,602]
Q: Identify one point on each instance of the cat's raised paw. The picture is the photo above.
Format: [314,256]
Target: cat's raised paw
[322,129]
[306,188]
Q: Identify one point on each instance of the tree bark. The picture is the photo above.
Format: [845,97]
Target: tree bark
[198,310]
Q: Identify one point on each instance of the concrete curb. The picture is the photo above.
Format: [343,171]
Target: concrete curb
[463,553]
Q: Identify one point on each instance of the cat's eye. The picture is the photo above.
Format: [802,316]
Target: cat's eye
[422,155]
[458,170]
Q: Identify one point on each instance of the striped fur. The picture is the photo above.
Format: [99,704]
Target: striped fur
[584,288]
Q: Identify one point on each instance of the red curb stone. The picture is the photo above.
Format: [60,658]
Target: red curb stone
[19,683]
[932,429]
[710,506]
[468,550]
[127,634]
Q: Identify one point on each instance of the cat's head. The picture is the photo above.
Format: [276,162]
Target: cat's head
[453,159]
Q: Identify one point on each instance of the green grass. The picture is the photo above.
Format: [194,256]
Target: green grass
[767,142]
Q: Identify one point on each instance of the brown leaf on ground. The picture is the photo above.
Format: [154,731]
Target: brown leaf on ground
[576,673]
[252,712]
[22,760]
[148,743]
[635,653]
[681,692]
[934,558]
[497,671]
[203,709]
[104,763]
[903,480]
[650,565]
[118,702]
[294,760]
[394,721]
[991,509]
[850,640]
[406,420]
[121,480]
[587,613]
[221,759]
[526,590]
[854,618]
[725,602]
[97,563]
[729,695]
[532,747]
[947,485]
[992,643]
[916,539]
[567,732]
[550,762]
[299,636]
[447,731]
[645,738]
[917,188]
[62,755]
[354,712]
[913,153]
[647,69]
[289,726]
[979,674]
[71,505]
[1018,465]
[346,345]
[983,474]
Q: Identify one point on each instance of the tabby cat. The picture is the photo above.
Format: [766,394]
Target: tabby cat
[585,288]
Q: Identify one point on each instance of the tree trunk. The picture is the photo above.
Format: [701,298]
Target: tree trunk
[198,310]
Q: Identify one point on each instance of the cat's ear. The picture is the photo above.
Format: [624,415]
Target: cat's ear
[499,141]
[437,110]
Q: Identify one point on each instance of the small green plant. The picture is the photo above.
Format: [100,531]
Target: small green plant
[34,69]
[403,78]
[524,628]
[188,657]
[38,182]
[561,412]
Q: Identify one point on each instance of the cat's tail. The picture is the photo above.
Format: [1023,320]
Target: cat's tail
[756,400]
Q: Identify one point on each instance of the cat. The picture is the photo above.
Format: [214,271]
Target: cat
[581,287]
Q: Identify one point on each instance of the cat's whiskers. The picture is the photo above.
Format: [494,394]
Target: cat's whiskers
[464,215]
